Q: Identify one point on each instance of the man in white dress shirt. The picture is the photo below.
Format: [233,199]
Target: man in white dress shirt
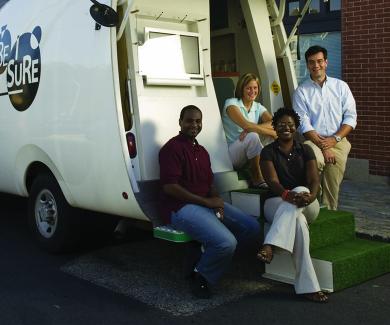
[327,111]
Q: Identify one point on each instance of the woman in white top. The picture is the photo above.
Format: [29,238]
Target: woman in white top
[247,127]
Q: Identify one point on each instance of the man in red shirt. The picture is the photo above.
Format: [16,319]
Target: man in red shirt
[190,203]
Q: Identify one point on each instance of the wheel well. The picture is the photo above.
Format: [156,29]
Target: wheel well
[33,171]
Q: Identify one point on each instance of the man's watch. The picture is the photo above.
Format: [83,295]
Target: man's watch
[337,137]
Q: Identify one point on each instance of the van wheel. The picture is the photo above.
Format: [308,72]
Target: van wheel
[53,222]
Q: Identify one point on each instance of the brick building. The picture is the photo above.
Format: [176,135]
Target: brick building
[366,68]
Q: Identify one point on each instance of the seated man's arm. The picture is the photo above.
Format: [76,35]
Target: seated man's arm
[214,193]
[171,172]
[314,137]
[330,142]
[179,192]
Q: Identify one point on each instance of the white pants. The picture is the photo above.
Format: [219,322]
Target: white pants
[289,231]
[241,151]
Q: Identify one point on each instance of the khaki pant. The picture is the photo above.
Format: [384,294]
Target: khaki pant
[332,175]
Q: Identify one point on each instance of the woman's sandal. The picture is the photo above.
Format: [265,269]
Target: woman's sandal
[262,186]
[265,254]
[319,297]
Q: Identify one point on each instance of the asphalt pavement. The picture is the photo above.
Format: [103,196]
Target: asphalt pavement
[138,281]
[370,204]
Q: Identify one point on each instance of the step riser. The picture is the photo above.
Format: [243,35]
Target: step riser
[249,203]
[282,269]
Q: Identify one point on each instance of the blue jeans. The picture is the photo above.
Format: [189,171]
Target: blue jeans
[219,239]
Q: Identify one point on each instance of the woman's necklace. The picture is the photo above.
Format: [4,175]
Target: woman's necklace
[288,150]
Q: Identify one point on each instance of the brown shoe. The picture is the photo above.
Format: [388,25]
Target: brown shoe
[319,297]
[265,254]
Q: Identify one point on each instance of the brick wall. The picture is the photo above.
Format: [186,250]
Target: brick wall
[366,68]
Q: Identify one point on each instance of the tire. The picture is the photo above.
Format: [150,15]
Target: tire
[53,222]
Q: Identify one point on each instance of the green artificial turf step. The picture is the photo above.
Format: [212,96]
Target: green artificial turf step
[244,173]
[167,232]
[331,227]
[355,261]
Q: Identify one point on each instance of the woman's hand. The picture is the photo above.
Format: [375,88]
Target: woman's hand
[291,197]
[243,135]
[303,199]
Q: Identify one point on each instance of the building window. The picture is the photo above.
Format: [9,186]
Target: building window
[314,7]
[335,5]
[293,8]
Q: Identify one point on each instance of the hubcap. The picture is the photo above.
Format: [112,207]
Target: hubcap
[46,214]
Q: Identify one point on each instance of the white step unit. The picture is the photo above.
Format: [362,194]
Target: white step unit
[249,203]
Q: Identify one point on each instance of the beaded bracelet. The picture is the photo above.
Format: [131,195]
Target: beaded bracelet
[284,194]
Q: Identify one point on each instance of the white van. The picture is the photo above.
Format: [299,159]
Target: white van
[85,108]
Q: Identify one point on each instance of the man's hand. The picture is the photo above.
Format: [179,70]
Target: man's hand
[214,202]
[314,137]
[328,143]
[329,156]
[219,212]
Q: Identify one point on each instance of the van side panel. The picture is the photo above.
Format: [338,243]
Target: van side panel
[73,118]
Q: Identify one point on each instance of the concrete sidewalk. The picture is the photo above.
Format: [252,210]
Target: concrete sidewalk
[370,203]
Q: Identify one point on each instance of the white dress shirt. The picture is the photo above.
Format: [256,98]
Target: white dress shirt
[324,109]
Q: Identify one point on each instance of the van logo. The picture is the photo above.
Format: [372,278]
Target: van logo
[23,66]
[5,47]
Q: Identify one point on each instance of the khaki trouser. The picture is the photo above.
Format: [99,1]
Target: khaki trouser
[332,175]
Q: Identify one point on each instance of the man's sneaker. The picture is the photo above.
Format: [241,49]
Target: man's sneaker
[199,286]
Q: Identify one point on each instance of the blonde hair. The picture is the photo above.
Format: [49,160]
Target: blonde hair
[243,81]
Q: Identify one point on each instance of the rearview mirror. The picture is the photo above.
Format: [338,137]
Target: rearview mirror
[103,14]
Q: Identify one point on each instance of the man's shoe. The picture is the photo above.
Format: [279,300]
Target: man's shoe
[199,286]
[192,257]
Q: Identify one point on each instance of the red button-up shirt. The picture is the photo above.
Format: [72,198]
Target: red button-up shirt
[185,163]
